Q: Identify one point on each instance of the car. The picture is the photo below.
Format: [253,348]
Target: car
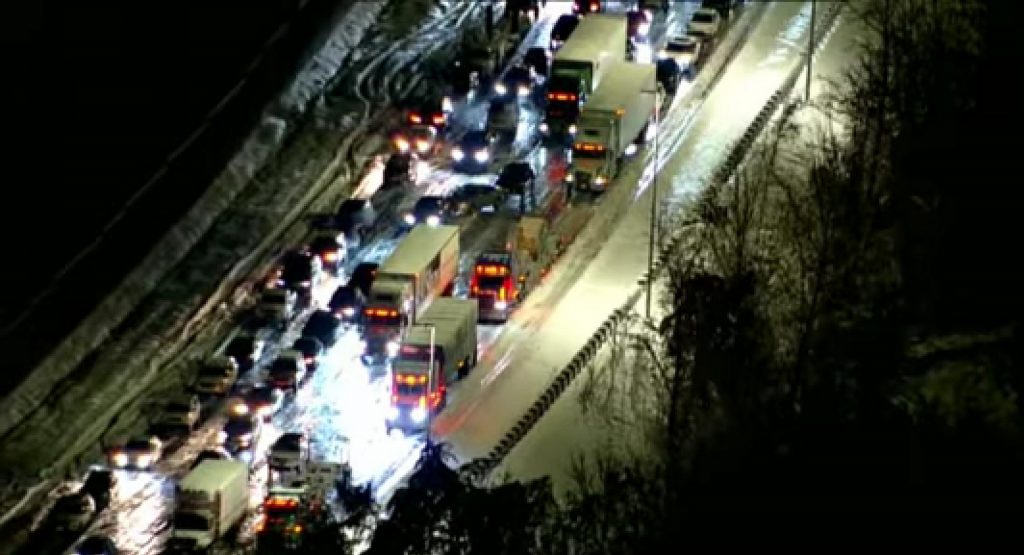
[289,452]
[217,375]
[139,453]
[331,249]
[583,7]
[705,21]
[638,25]
[362,276]
[538,59]
[686,50]
[325,326]
[668,74]
[516,178]
[429,111]
[401,169]
[288,370]
[355,218]
[277,306]
[347,303]
[473,153]
[421,139]
[72,512]
[246,349]
[312,351]
[96,545]
[563,27]
[212,454]
[180,412]
[517,82]
[240,432]
[476,197]
[299,271]
[99,484]
[429,209]
[503,119]
[262,400]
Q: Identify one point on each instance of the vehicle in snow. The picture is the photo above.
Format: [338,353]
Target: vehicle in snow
[216,376]
[289,452]
[312,351]
[517,82]
[240,432]
[562,30]
[428,209]
[96,545]
[330,248]
[502,120]
[99,484]
[277,306]
[705,21]
[618,116]
[638,26]
[210,501]
[71,513]
[579,68]
[325,326]
[363,275]
[686,50]
[421,139]
[355,218]
[283,521]
[400,170]
[347,303]
[474,152]
[421,268]
[584,7]
[503,275]
[139,453]
[262,400]
[538,59]
[181,412]
[299,271]
[473,70]
[470,198]
[288,370]
[246,349]
[417,388]
[432,111]
[212,454]
[518,178]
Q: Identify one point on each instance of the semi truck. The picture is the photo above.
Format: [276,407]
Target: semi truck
[617,117]
[579,67]
[209,501]
[419,375]
[504,274]
[422,268]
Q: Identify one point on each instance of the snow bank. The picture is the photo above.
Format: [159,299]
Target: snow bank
[33,407]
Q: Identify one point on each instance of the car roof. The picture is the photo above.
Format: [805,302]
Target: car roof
[310,340]
[475,136]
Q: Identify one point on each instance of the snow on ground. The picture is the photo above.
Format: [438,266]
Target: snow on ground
[565,431]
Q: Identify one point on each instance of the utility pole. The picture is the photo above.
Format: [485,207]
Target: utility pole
[655,224]
[810,54]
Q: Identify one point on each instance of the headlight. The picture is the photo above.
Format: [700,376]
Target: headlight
[457,154]
[500,89]
[410,219]
[569,178]
[523,90]
[401,144]
[481,156]
[572,129]
[392,413]
[119,459]
[222,436]
[305,283]
[144,460]
[240,409]
[422,146]
[600,180]
[500,305]
[393,348]
[348,311]
[643,29]
[543,127]
[418,414]
[662,55]
[433,220]
[446,105]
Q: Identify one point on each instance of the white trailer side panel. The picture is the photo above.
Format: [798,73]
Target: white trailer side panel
[621,98]
[417,250]
[599,39]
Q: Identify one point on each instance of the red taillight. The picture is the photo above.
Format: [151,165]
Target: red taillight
[564,97]
[415,118]
[330,256]
[594,6]
[438,119]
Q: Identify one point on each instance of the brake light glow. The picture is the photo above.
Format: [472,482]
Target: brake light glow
[381,312]
[410,379]
[415,118]
[278,503]
[594,6]
[562,96]
[438,119]
[330,256]
[491,270]
[589,147]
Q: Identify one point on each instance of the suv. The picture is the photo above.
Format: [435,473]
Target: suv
[347,303]
[330,248]
[429,209]
[288,370]
[324,326]
[277,306]
[355,218]
[217,376]
[300,271]
[246,349]
[99,484]
[289,452]
[400,170]
[72,512]
[180,412]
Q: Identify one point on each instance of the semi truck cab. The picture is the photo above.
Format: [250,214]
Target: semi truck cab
[494,285]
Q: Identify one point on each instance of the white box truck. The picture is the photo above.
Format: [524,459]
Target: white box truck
[210,500]
[579,68]
[449,325]
[617,116]
[422,268]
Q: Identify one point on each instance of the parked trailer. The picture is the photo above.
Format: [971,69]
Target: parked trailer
[422,268]
[617,117]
